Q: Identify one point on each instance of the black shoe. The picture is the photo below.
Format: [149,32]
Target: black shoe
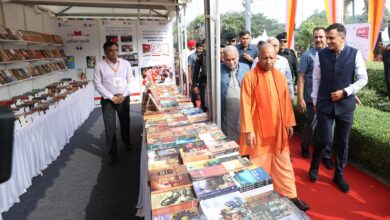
[341,183]
[328,163]
[313,174]
[305,153]
[300,204]
[113,160]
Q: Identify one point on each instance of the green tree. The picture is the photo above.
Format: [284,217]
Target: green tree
[303,36]
[235,22]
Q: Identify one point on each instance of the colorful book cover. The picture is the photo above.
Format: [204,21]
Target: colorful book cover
[214,186]
[202,117]
[153,165]
[163,154]
[167,183]
[251,179]
[224,148]
[194,146]
[173,201]
[208,172]
[187,214]
[270,205]
[188,138]
[228,206]
[193,156]
[158,146]
[202,164]
[237,164]
[169,171]
[192,111]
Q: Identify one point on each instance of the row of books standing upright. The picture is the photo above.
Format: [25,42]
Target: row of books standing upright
[195,172]
[28,54]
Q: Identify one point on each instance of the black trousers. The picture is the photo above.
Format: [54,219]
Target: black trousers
[110,110]
[342,131]
[202,90]
[309,132]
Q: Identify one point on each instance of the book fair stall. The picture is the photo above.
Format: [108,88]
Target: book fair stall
[189,169]
[46,72]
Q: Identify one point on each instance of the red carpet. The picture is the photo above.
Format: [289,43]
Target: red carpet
[368,198]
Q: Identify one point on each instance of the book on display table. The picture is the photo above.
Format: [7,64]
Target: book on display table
[195,172]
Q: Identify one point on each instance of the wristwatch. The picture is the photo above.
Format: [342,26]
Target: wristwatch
[345,94]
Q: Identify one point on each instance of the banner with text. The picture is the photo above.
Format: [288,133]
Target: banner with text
[358,36]
[156,51]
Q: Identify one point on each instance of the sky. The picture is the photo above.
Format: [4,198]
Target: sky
[275,9]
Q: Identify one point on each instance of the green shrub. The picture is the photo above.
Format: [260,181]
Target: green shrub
[371,98]
[370,140]
[376,77]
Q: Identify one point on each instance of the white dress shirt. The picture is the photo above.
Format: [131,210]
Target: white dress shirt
[282,65]
[360,72]
[112,78]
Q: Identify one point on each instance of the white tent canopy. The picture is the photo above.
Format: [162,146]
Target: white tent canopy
[158,9]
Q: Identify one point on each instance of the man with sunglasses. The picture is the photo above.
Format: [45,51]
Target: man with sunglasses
[112,76]
[231,39]
[289,54]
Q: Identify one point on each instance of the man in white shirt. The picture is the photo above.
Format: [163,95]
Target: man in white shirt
[334,89]
[111,78]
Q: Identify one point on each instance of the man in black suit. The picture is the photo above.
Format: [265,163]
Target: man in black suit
[334,89]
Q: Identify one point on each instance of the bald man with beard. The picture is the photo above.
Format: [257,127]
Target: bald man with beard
[267,121]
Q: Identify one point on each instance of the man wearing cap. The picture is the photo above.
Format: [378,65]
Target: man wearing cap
[186,53]
[289,54]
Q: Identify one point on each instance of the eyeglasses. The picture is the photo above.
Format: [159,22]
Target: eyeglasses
[283,41]
[232,41]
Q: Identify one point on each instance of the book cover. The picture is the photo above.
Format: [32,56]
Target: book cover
[270,205]
[202,117]
[224,148]
[152,165]
[174,200]
[237,164]
[168,171]
[171,182]
[194,146]
[207,172]
[187,214]
[214,186]
[193,156]
[202,164]
[163,154]
[228,206]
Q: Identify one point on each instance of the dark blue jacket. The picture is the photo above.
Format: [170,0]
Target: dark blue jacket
[336,74]
[225,79]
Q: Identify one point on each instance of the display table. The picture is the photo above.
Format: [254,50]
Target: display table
[143,205]
[39,143]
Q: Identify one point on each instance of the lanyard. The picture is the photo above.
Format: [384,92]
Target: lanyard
[113,69]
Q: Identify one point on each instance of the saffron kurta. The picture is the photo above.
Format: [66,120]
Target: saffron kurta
[266,110]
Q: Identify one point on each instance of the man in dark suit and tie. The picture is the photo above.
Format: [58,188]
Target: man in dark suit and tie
[334,89]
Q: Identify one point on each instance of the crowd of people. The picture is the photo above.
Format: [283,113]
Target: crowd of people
[258,85]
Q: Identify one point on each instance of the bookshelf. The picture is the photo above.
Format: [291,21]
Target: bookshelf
[29,59]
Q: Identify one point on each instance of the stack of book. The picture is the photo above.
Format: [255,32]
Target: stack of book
[11,75]
[30,105]
[12,55]
[30,36]
[191,161]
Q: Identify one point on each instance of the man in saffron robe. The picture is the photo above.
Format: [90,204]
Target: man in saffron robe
[267,121]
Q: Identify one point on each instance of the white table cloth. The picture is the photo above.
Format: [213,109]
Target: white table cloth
[144,205]
[40,142]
